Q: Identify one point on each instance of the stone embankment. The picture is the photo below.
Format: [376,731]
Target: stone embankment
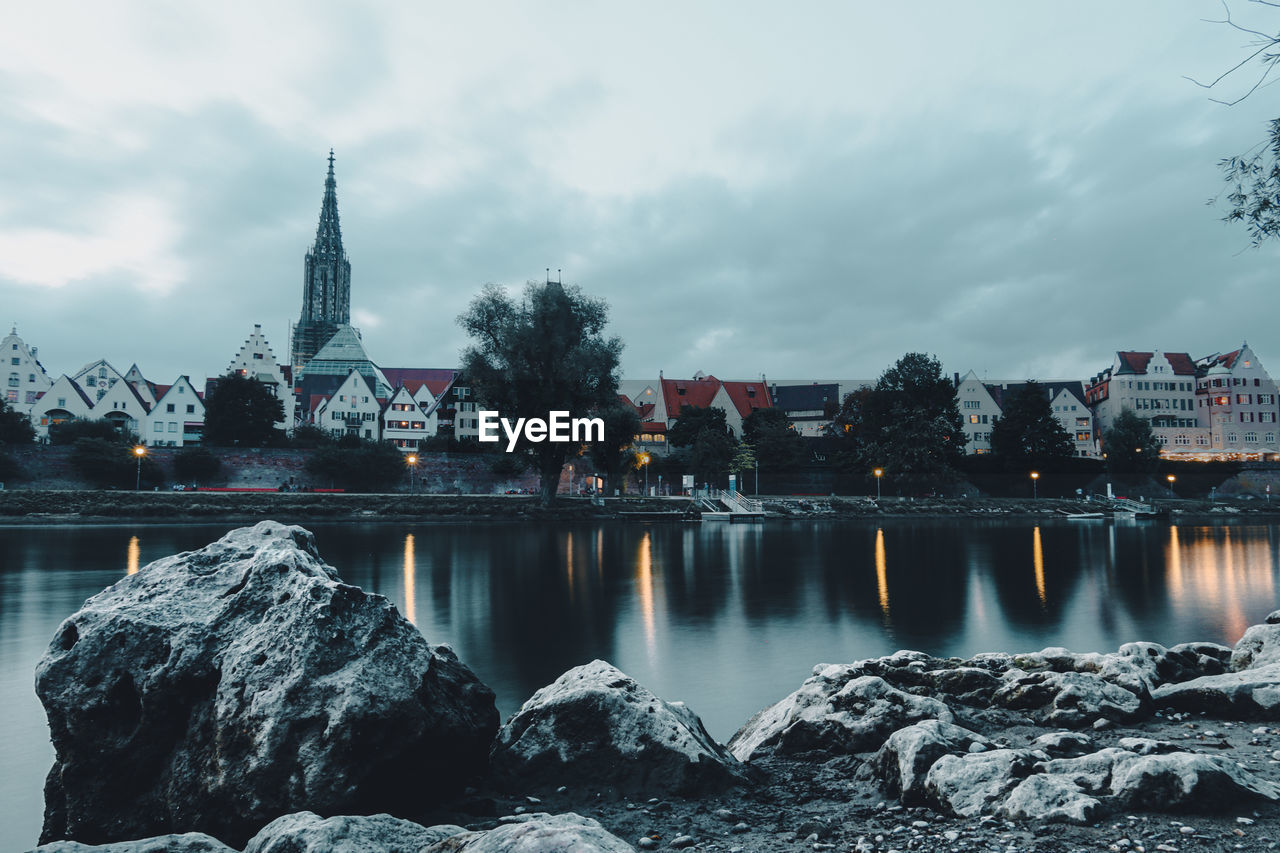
[242,697]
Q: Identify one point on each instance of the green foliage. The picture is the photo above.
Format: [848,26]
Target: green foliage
[196,465]
[776,443]
[613,456]
[242,412]
[69,432]
[705,432]
[15,427]
[309,436]
[546,353]
[1130,445]
[1027,435]
[373,466]
[112,464]
[907,424]
[1253,188]
[9,468]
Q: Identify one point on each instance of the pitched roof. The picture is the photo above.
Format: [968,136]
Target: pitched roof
[1133,362]
[748,396]
[437,379]
[804,398]
[688,392]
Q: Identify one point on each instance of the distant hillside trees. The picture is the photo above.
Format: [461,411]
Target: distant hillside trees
[71,431]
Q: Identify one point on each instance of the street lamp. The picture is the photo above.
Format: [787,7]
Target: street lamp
[1035,479]
[412,461]
[139,451]
[1171,478]
[879,472]
[644,461]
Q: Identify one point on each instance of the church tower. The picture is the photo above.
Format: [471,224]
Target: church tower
[326,282]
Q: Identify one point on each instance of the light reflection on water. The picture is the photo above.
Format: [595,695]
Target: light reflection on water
[728,618]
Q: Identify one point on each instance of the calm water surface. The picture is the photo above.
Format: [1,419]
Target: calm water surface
[728,618]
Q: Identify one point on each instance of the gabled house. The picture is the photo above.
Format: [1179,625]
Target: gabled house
[122,406]
[1157,386]
[177,418]
[147,391]
[1236,400]
[737,399]
[96,378]
[24,375]
[978,412]
[352,409]
[1067,402]
[404,423]
[255,359]
[64,401]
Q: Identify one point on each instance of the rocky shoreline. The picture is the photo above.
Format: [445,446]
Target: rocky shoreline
[32,506]
[218,699]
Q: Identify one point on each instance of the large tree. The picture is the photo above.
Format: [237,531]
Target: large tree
[547,352]
[241,411]
[908,425]
[15,427]
[1026,434]
[613,457]
[1129,445]
[777,445]
[704,430]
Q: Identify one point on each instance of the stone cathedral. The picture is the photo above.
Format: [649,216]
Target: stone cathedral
[326,282]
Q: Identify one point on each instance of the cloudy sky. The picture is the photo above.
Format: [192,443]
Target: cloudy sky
[799,190]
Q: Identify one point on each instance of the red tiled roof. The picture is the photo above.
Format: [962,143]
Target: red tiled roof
[160,390]
[1136,362]
[688,392]
[436,379]
[315,401]
[652,427]
[748,396]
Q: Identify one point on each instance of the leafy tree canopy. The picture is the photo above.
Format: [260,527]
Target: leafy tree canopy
[776,444]
[69,432]
[1130,446]
[368,466]
[241,411]
[907,424]
[196,465]
[705,432]
[614,457]
[15,427]
[548,352]
[1026,434]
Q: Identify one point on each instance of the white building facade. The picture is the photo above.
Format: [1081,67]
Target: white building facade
[1159,387]
[1236,401]
[24,375]
[177,418]
[978,413]
[255,359]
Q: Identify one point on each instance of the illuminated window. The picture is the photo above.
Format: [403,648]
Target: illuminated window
[973,419]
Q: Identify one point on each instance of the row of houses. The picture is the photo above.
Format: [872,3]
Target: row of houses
[1219,406]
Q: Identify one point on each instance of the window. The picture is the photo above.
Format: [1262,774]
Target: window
[1271,438]
[31,396]
[257,355]
[15,360]
[984,418]
[182,389]
[1251,438]
[342,398]
[1202,440]
[973,419]
[1082,436]
[168,407]
[13,380]
[159,426]
[972,404]
[365,400]
[1244,399]
[31,377]
[62,402]
[1232,438]
[12,396]
[173,427]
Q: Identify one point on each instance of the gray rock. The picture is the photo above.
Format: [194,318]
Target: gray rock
[1187,780]
[1053,799]
[905,759]
[307,832]
[1251,692]
[1260,646]
[834,712]
[218,689]
[1063,744]
[596,725]
[188,842]
[1070,698]
[541,833]
[977,782]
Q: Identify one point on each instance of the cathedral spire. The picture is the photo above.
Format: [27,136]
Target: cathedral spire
[329,231]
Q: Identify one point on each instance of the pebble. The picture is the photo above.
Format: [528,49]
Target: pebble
[1261,730]
[1186,830]
[682,841]
[740,827]
[1166,848]
[725,815]
[863,845]
[1245,821]
[533,801]
[563,789]
[1101,724]
[920,824]
[951,835]
[646,843]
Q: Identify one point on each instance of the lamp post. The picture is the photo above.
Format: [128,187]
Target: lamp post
[1035,479]
[412,461]
[1171,478]
[644,461]
[879,472]
[139,451]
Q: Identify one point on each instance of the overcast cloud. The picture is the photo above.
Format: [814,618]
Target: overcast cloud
[795,191]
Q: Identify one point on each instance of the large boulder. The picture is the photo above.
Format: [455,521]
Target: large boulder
[187,842]
[1251,687]
[307,832]
[596,726]
[835,711]
[904,760]
[1070,698]
[537,833]
[976,783]
[218,689]
[1260,645]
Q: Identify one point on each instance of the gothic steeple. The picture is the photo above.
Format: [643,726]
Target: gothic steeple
[326,281]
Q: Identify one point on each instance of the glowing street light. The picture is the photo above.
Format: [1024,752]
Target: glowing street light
[644,460]
[879,472]
[1171,478]
[139,451]
[1035,479]
[412,461]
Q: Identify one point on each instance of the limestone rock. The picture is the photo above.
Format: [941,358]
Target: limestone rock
[1070,698]
[218,689]
[595,725]
[188,842]
[1260,645]
[834,712]
[976,783]
[1053,799]
[904,760]
[307,832]
[1253,692]
[1063,744]
[1202,783]
[537,833]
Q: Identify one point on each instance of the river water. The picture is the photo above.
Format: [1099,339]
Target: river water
[728,618]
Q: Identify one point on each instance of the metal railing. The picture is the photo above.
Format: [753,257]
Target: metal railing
[736,502]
